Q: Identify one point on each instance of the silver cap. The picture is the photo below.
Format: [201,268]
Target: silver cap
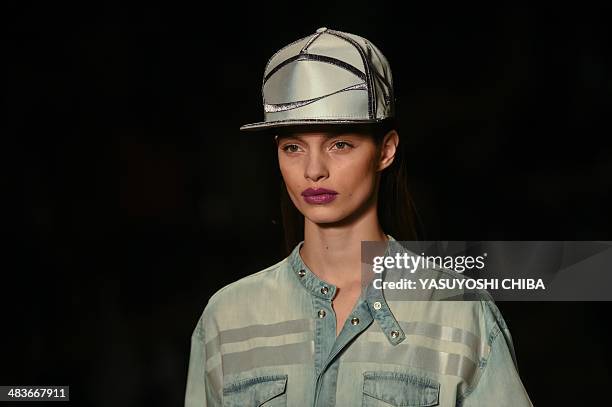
[329,77]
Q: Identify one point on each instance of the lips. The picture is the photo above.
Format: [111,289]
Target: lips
[319,195]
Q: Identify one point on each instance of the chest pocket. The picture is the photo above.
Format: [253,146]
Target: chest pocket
[384,389]
[268,391]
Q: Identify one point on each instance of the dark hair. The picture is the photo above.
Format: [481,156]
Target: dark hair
[396,210]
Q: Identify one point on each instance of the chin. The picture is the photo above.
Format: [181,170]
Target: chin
[323,215]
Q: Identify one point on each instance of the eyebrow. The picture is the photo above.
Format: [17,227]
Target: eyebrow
[328,135]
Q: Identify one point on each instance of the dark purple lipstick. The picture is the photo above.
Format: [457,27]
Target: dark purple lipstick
[319,195]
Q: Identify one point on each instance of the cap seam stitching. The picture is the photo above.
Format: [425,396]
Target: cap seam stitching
[313,39]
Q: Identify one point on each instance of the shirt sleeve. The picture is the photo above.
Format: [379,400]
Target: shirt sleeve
[199,391]
[499,383]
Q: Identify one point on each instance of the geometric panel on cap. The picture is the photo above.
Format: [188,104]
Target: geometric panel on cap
[286,53]
[316,79]
[334,46]
[350,104]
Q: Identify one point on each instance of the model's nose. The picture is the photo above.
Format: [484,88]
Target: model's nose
[316,168]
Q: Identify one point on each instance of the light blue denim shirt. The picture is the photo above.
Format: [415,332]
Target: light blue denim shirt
[269,339]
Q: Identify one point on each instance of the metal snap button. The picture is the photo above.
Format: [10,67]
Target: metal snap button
[302,273]
[324,290]
[355,321]
[322,313]
[394,334]
[377,305]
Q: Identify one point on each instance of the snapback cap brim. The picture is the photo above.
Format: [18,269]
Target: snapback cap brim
[260,126]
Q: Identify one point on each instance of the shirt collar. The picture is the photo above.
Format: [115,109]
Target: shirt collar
[374,298]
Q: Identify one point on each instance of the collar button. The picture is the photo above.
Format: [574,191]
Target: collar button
[324,290]
[302,273]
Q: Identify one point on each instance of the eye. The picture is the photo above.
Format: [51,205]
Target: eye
[342,145]
[290,148]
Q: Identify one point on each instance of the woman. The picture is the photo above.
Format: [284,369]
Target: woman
[310,330]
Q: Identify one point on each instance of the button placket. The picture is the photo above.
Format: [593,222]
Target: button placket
[325,329]
[360,320]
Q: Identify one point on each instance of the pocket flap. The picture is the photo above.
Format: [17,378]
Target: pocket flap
[401,389]
[254,391]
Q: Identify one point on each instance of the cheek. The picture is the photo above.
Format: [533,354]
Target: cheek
[291,175]
[358,176]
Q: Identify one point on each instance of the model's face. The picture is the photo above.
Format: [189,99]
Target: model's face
[329,176]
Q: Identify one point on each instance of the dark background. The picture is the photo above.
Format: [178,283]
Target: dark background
[131,196]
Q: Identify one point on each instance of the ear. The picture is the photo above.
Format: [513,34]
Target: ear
[388,148]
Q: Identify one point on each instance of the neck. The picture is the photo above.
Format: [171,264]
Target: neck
[333,251]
